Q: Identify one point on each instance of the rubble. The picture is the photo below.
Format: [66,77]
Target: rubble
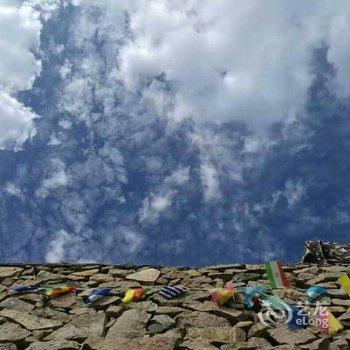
[189,322]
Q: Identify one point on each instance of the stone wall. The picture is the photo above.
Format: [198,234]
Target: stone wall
[193,321]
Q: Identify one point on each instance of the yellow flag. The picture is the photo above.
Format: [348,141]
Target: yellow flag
[344,281]
[128,296]
[334,326]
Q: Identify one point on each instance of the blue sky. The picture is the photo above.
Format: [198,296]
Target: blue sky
[173,132]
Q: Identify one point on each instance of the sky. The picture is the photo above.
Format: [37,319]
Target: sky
[173,132]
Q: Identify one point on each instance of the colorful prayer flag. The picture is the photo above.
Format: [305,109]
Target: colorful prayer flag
[20,289]
[169,292]
[344,282]
[133,295]
[329,324]
[276,276]
[315,292]
[297,319]
[96,294]
[221,295]
[56,291]
[251,294]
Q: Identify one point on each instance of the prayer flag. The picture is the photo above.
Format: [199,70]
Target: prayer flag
[344,282]
[169,292]
[96,294]
[315,292]
[21,289]
[133,295]
[56,291]
[276,276]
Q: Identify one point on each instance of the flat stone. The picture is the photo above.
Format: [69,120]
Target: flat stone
[29,321]
[146,275]
[197,345]
[9,271]
[131,324]
[47,312]
[338,302]
[322,343]
[8,346]
[54,345]
[339,344]
[45,276]
[85,273]
[67,301]
[216,334]
[101,278]
[81,327]
[82,311]
[251,344]
[12,332]
[119,272]
[114,311]
[160,323]
[169,310]
[158,342]
[337,293]
[283,335]
[16,304]
[200,320]
[147,305]
[258,330]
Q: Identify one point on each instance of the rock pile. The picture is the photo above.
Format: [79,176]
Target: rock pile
[192,321]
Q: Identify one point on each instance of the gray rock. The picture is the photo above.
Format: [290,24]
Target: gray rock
[216,334]
[159,342]
[131,324]
[160,323]
[85,273]
[16,304]
[169,310]
[200,320]
[282,335]
[146,275]
[12,332]
[81,327]
[8,346]
[9,271]
[197,345]
[29,321]
[55,345]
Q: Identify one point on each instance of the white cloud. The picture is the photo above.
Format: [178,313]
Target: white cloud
[16,122]
[157,203]
[57,177]
[242,60]
[19,38]
[210,181]
[57,248]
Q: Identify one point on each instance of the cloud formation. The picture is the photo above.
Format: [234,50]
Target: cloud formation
[19,38]
[149,147]
[220,56]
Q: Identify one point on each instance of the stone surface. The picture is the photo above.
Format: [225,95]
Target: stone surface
[55,345]
[147,275]
[16,304]
[29,321]
[282,335]
[9,271]
[154,343]
[81,327]
[189,322]
[216,334]
[131,324]
[12,332]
